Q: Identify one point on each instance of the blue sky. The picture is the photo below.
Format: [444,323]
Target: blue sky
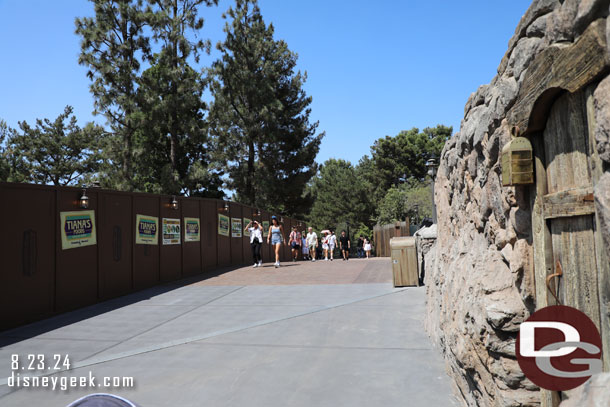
[374,67]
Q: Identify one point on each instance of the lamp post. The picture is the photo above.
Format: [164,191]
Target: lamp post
[432,165]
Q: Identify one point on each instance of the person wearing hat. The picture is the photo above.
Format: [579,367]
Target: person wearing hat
[256,241]
[276,237]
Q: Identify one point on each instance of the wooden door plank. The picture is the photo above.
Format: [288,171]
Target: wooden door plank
[569,202]
[574,248]
[603,262]
[566,147]
[569,188]
[541,235]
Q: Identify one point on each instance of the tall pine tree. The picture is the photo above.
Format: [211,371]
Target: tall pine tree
[260,115]
[172,144]
[113,47]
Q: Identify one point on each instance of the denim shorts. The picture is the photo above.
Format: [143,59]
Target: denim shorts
[276,240]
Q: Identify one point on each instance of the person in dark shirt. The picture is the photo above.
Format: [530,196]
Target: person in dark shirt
[345,245]
[360,246]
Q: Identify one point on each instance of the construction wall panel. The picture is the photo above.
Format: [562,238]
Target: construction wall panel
[191,251]
[115,235]
[209,233]
[224,242]
[27,244]
[170,263]
[77,271]
[145,256]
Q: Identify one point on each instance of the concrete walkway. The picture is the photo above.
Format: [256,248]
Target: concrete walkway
[323,334]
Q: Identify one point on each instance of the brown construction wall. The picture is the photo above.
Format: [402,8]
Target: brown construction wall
[38,278]
[383,233]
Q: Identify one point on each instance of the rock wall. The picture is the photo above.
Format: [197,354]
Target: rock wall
[479,275]
[594,393]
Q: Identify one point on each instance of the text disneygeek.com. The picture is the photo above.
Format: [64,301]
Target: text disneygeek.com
[63,383]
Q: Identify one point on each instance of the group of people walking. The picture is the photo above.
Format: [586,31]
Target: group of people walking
[307,244]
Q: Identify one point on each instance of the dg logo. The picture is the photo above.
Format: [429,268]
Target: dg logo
[559,348]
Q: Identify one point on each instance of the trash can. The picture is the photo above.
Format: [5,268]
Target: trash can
[404,261]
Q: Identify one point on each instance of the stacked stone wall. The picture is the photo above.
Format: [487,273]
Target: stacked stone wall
[479,275]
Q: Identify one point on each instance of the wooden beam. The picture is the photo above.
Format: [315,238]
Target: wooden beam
[558,69]
[571,202]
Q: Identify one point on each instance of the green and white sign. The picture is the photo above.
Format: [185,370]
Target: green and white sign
[246,222]
[192,230]
[236,227]
[77,229]
[223,225]
[171,231]
[147,230]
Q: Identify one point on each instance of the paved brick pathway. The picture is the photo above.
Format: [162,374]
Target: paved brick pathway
[354,271]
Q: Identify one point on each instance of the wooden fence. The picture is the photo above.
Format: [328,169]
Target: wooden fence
[383,233]
[48,268]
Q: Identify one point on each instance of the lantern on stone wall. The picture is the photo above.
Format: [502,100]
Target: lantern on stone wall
[517,161]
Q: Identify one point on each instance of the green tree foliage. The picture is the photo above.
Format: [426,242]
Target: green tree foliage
[260,115]
[55,152]
[396,160]
[410,200]
[158,130]
[113,47]
[172,154]
[340,197]
[4,167]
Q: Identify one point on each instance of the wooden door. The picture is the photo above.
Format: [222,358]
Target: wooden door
[564,223]
[568,205]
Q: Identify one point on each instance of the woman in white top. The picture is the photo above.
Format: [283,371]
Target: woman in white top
[256,241]
[325,245]
[367,247]
[332,243]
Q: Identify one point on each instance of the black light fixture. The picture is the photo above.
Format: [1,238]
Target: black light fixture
[281,219]
[174,203]
[226,207]
[83,202]
[257,213]
[431,165]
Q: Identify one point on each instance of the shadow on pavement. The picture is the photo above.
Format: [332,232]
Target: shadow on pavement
[18,334]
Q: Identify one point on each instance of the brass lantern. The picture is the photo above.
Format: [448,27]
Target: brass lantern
[517,161]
